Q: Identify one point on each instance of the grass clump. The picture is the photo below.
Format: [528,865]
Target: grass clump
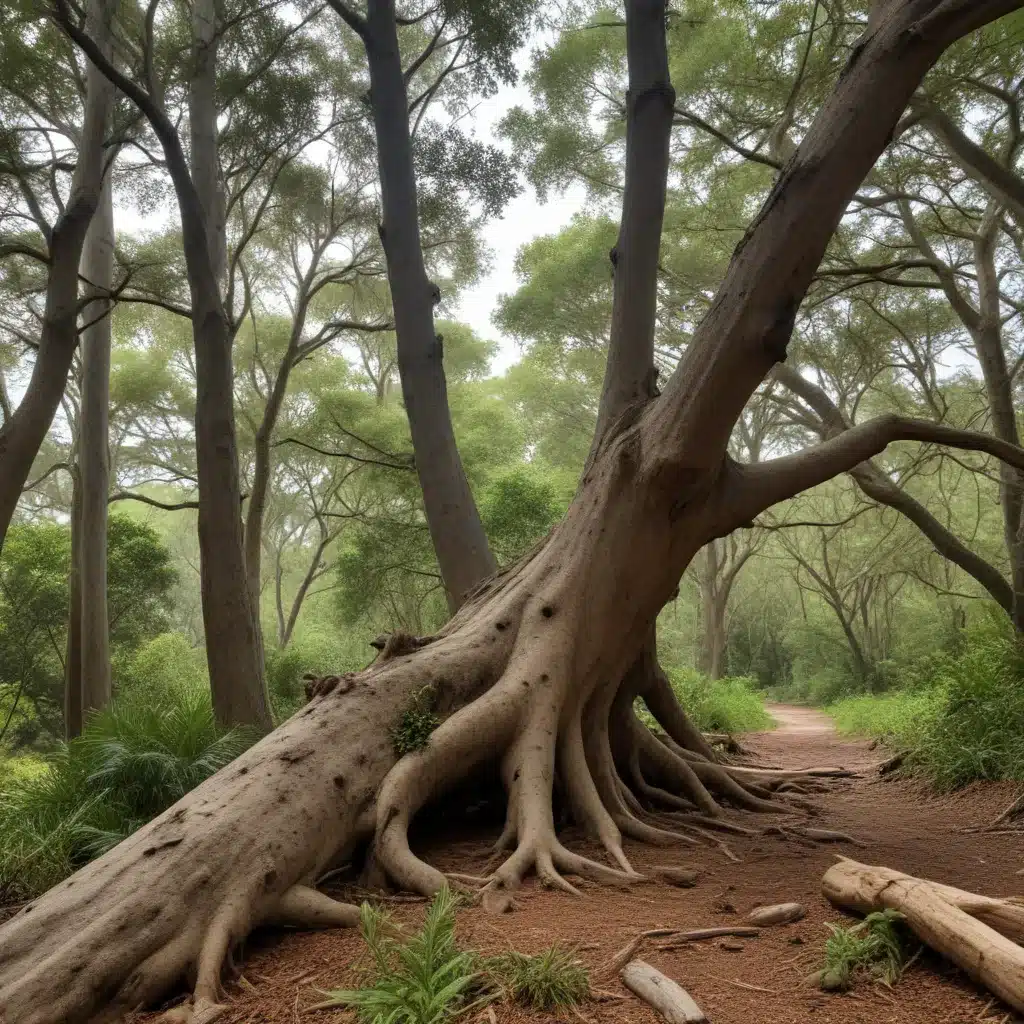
[551,980]
[730,705]
[131,762]
[417,722]
[428,979]
[877,945]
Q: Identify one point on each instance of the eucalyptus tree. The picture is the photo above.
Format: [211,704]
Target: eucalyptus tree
[520,672]
[475,41]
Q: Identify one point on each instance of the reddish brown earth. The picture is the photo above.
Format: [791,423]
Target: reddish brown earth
[902,825]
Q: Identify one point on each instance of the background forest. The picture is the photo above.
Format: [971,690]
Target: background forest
[889,594]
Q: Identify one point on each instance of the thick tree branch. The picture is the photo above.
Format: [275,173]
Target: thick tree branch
[768,483]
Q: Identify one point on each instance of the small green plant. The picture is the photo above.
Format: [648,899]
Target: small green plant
[418,721]
[552,980]
[424,980]
[877,944]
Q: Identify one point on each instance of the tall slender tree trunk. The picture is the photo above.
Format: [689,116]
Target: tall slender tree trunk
[22,434]
[94,460]
[234,647]
[455,528]
[987,335]
[73,711]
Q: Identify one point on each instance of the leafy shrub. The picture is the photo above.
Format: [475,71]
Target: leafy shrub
[717,705]
[425,980]
[131,762]
[428,979]
[967,725]
[321,652]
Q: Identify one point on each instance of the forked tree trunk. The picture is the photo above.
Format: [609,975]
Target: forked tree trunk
[460,543]
[22,434]
[93,459]
[528,672]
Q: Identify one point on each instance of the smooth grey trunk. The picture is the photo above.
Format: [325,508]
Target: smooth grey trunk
[204,153]
[630,377]
[460,543]
[22,434]
[94,463]
[234,646]
[73,712]
[714,598]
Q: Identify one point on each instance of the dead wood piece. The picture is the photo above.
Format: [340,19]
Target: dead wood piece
[975,932]
[672,1001]
[683,877]
[678,939]
[891,764]
[778,913]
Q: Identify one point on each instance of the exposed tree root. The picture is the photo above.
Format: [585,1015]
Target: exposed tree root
[521,685]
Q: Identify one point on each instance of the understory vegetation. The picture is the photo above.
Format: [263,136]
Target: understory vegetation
[729,705]
[131,762]
[959,718]
[878,946]
[427,978]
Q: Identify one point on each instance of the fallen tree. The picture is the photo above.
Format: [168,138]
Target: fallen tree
[979,934]
[538,671]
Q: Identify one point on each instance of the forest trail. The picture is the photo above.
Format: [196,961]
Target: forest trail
[902,825]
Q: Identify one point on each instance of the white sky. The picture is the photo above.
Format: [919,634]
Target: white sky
[524,219]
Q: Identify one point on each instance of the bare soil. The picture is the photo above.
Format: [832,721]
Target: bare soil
[902,825]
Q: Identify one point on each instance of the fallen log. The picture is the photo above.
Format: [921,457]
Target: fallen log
[976,932]
[672,1001]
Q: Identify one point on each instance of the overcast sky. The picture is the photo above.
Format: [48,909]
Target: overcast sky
[524,219]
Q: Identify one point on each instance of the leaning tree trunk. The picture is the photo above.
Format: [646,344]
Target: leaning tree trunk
[93,459]
[526,674]
[22,434]
[458,535]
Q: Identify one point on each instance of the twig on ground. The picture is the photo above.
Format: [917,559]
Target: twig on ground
[744,985]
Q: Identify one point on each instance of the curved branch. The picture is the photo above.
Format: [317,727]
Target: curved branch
[877,485]
[767,483]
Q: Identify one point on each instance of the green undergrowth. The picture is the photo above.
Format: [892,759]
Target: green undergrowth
[730,705]
[428,978]
[878,946]
[962,722]
[131,763]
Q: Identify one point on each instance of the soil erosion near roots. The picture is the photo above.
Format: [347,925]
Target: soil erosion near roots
[902,825]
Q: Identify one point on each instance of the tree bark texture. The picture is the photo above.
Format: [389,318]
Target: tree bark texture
[533,674]
[456,531]
[93,459]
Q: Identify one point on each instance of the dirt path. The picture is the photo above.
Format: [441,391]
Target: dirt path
[901,824]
